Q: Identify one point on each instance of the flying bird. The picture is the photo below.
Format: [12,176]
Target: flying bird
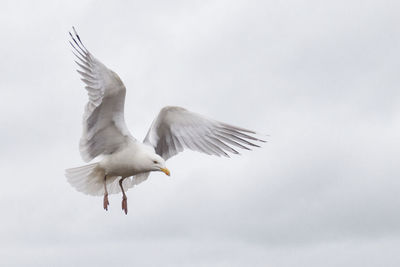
[124,160]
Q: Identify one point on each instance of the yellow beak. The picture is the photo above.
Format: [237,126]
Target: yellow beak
[166,171]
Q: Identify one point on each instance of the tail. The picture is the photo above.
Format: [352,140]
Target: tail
[89,179]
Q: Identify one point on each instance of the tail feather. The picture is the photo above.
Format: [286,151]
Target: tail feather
[89,179]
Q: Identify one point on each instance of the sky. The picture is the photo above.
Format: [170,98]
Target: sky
[318,79]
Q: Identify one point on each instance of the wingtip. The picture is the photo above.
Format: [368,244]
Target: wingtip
[263,136]
[76,34]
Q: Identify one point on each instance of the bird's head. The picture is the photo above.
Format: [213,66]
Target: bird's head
[158,164]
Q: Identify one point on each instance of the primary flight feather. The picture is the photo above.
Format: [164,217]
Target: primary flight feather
[126,161]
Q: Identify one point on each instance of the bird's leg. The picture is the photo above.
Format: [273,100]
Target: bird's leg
[124,198]
[105,199]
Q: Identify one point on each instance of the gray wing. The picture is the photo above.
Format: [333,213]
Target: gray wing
[176,129]
[104,128]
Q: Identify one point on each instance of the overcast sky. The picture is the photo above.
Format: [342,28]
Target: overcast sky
[321,78]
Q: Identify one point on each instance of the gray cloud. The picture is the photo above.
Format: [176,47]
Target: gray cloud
[319,78]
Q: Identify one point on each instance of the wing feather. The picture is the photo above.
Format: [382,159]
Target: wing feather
[104,128]
[176,129]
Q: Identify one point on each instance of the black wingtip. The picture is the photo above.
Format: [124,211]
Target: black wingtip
[76,34]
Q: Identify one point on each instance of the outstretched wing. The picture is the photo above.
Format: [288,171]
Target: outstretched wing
[176,129]
[104,128]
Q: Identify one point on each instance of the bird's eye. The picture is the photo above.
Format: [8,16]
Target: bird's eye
[155,161]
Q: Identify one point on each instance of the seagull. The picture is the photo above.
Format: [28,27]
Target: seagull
[124,160]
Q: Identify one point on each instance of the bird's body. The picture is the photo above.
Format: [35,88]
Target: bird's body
[125,161]
[129,161]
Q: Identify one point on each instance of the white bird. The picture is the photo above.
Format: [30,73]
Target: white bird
[125,161]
